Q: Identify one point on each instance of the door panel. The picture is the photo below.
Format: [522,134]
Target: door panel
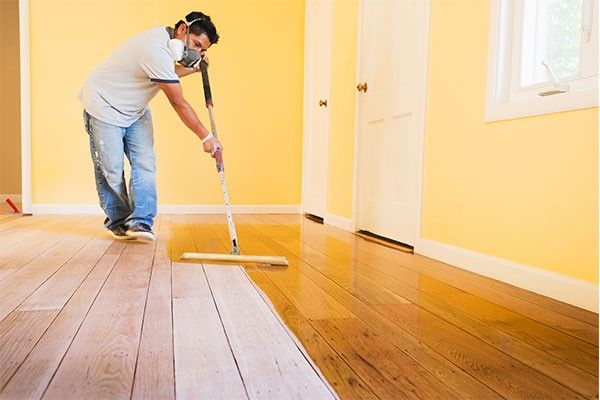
[394,36]
[318,56]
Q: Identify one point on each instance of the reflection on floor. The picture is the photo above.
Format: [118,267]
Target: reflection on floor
[82,315]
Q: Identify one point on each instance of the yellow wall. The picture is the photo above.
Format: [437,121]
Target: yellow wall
[257,83]
[10,99]
[524,190]
[342,107]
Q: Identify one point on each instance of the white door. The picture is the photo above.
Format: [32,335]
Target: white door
[316,110]
[393,65]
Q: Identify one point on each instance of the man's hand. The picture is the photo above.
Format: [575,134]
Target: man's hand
[203,57]
[212,145]
[182,71]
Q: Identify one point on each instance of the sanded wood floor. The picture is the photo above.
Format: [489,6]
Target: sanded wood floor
[82,316]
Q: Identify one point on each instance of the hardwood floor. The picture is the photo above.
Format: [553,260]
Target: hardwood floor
[83,316]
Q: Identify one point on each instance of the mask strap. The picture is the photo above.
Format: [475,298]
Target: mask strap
[187,32]
[192,21]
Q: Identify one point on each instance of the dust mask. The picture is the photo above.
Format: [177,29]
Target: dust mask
[181,52]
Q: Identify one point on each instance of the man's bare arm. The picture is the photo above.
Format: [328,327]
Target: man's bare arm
[182,71]
[187,114]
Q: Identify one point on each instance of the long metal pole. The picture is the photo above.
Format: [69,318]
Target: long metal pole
[235,249]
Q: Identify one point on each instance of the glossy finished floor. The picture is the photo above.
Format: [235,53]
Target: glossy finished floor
[379,323]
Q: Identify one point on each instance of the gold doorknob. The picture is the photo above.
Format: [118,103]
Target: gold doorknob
[362,87]
[322,103]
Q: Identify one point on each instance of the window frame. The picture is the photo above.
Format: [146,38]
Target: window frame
[504,99]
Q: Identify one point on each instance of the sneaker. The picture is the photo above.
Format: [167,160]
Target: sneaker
[119,233]
[141,232]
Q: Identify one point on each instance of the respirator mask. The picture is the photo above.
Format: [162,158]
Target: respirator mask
[181,51]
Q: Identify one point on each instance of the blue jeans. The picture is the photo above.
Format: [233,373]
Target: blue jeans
[109,144]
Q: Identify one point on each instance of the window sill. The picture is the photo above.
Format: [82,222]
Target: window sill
[544,105]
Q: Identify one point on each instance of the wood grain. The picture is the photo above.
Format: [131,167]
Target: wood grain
[82,316]
[204,363]
[345,382]
[19,285]
[107,342]
[382,290]
[463,356]
[33,375]
[154,373]
[269,361]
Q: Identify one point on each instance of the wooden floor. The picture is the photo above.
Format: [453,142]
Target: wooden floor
[82,316]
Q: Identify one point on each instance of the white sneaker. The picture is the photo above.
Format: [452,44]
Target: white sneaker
[141,232]
[119,233]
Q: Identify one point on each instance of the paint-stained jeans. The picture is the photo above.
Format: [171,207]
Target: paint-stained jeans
[109,144]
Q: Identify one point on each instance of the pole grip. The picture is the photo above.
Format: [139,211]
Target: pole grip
[209,105]
[206,83]
[219,157]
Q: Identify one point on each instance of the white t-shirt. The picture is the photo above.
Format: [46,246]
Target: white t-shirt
[119,89]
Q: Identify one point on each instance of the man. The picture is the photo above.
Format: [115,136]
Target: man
[118,121]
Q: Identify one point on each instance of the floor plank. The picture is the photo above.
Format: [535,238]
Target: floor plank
[204,364]
[19,331]
[14,226]
[529,304]
[493,365]
[31,243]
[19,285]
[33,375]
[560,322]
[51,296]
[345,382]
[108,340]
[453,377]
[82,316]
[270,363]
[407,378]
[154,373]
[383,292]
[7,216]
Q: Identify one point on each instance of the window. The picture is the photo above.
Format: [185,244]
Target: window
[543,57]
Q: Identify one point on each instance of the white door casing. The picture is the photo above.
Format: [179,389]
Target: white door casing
[392,61]
[316,112]
[25,106]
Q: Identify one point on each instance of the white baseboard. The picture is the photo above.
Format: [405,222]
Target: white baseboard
[236,209]
[94,209]
[574,291]
[17,198]
[339,222]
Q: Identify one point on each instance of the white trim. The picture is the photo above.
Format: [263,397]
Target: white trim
[77,209]
[557,103]
[422,124]
[577,292]
[305,117]
[25,106]
[309,37]
[339,222]
[357,119]
[237,209]
[499,105]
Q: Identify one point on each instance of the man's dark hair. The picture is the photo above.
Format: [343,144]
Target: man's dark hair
[203,25]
